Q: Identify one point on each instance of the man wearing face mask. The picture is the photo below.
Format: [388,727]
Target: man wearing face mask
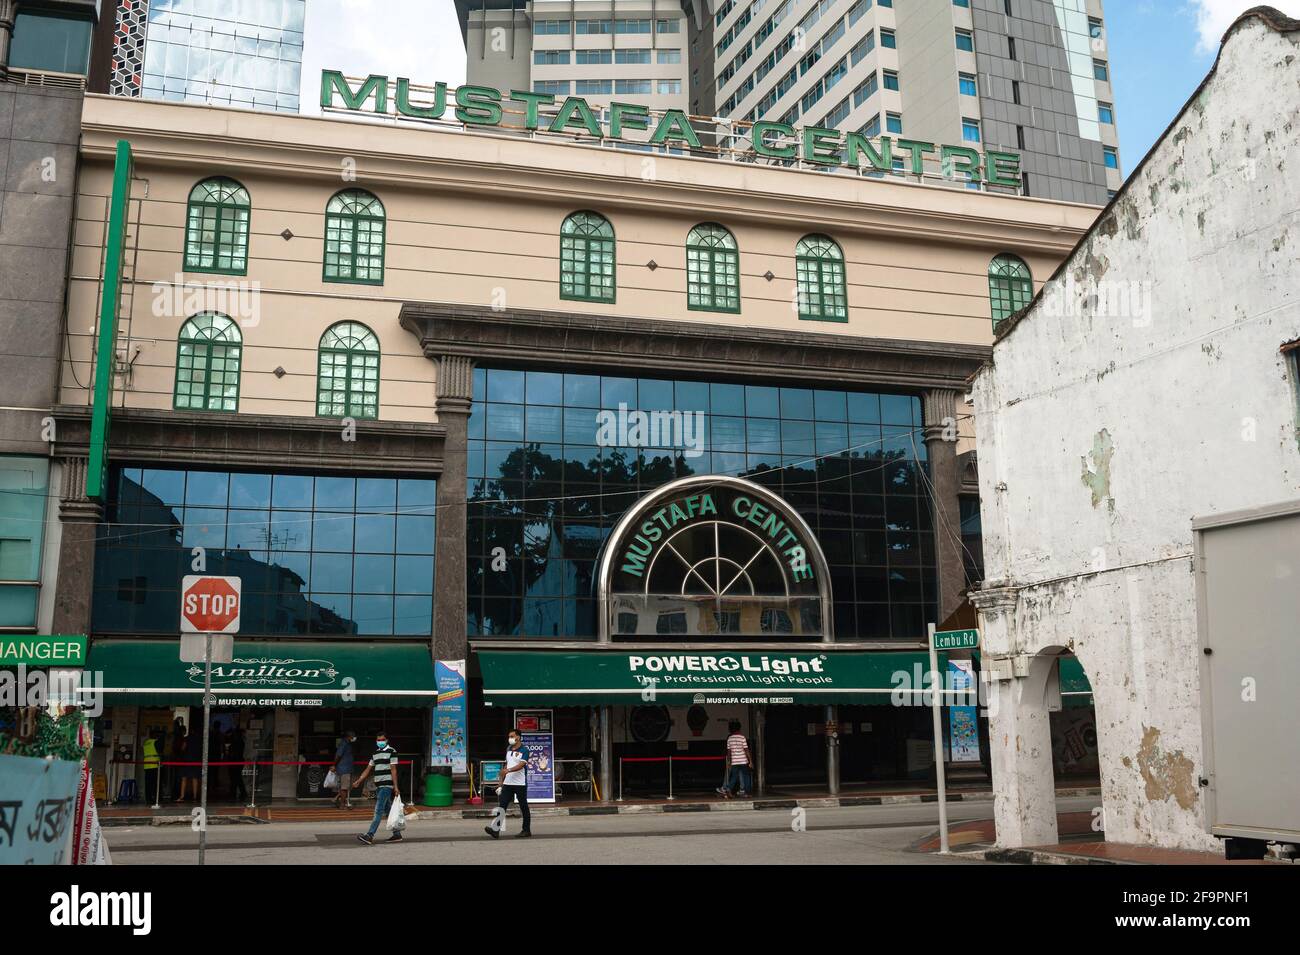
[514,785]
[382,764]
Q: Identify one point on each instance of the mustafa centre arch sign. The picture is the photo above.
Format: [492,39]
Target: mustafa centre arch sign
[713,558]
[485,106]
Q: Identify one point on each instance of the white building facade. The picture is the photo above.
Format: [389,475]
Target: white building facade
[1151,383]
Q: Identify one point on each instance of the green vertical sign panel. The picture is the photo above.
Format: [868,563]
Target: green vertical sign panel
[108,306]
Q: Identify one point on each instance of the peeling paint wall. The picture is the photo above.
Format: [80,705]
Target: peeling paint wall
[1146,388]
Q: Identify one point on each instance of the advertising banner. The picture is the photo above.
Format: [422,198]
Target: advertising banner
[538,735]
[963,721]
[37,798]
[449,717]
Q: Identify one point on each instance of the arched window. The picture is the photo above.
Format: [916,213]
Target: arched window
[208,351]
[347,381]
[354,238]
[216,227]
[1010,286]
[587,258]
[712,269]
[819,269]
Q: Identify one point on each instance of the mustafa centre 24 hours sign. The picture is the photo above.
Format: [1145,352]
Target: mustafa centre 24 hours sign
[483,106]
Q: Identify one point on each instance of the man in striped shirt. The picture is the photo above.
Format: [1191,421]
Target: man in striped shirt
[382,765]
[739,761]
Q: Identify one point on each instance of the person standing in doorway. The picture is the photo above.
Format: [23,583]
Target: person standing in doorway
[152,753]
[235,756]
[382,764]
[739,760]
[514,785]
[344,767]
[192,771]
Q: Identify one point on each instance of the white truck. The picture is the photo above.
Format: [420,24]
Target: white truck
[1248,612]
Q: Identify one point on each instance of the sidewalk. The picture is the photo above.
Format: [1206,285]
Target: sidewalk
[292,810]
[1079,845]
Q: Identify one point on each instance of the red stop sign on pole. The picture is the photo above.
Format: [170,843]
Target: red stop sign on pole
[210,605]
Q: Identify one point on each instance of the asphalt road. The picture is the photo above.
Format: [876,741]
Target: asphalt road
[860,834]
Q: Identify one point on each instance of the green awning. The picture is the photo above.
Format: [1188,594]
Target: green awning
[1076,691]
[287,673]
[687,677]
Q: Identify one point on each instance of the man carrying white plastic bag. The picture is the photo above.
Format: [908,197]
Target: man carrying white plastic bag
[388,801]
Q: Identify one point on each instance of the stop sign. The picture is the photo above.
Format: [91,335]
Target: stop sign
[210,605]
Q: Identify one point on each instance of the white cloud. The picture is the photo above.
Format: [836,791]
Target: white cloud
[419,39]
[1213,17]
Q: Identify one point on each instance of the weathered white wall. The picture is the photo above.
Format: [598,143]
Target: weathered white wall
[1104,431]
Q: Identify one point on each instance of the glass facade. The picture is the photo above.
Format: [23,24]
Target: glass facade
[49,40]
[317,555]
[24,486]
[551,471]
[1072,19]
[246,53]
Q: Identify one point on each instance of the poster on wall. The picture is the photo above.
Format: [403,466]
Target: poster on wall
[449,717]
[538,735]
[963,721]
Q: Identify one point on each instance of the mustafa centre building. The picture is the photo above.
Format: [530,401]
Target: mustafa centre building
[652,424]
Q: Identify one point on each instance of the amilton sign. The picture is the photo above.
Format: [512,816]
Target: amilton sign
[689,677]
[485,106]
[284,673]
[43,651]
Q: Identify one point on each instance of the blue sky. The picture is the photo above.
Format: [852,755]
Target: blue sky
[1159,51]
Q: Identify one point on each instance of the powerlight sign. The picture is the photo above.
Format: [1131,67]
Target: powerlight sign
[542,112]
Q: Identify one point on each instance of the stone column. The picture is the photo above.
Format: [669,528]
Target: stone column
[940,432]
[455,391]
[8,12]
[80,518]
[1020,737]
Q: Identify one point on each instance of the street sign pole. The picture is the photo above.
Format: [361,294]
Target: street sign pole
[207,728]
[936,695]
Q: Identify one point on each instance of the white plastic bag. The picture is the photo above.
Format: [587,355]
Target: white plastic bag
[331,780]
[397,816]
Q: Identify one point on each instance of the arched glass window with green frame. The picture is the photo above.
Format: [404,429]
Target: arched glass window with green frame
[587,258]
[208,353]
[354,238]
[712,269]
[216,227]
[819,273]
[1011,286]
[347,381]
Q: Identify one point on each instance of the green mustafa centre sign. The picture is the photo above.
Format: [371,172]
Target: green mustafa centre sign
[771,528]
[485,106]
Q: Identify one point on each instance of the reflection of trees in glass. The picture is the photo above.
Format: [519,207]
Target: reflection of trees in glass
[536,504]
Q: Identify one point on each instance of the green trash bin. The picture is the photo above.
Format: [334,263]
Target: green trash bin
[437,786]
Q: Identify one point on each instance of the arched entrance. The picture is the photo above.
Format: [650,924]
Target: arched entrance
[713,558]
[701,562]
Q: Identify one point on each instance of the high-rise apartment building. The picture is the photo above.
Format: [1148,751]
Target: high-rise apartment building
[1026,76]
[245,54]
[633,51]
